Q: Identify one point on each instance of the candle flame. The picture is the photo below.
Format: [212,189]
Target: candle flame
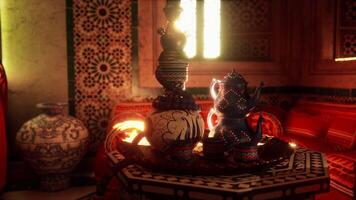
[144,142]
[198,147]
[293,145]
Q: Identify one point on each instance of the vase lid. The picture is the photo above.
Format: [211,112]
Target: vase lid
[52,108]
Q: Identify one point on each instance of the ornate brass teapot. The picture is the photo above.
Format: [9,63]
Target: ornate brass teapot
[232,103]
[232,99]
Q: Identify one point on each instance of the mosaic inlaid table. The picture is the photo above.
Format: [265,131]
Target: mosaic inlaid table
[301,176]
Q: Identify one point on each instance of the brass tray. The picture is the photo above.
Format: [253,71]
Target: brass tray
[271,153]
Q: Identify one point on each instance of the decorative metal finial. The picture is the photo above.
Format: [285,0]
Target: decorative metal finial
[172,70]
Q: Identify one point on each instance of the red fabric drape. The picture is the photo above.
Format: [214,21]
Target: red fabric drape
[3,145]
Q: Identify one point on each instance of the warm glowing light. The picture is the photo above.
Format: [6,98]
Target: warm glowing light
[293,145]
[140,125]
[210,122]
[132,128]
[144,142]
[260,144]
[187,24]
[344,59]
[212,88]
[198,147]
[211,28]
[130,136]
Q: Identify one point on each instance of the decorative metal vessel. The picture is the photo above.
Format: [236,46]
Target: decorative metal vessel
[232,104]
[53,143]
[175,126]
[213,148]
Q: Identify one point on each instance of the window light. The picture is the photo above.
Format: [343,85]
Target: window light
[211,28]
[187,24]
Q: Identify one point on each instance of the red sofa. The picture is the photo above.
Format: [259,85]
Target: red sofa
[329,128]
[313,125]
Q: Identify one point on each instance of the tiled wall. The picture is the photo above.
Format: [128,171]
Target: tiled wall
[100,63]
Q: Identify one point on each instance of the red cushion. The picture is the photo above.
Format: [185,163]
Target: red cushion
[307,142]
[341,169]
[341,133]
[276,111]
[270,126]
[305,124]
[331,109]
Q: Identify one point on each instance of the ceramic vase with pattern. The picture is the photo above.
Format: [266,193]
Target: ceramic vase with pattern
[53,143]
[175,132]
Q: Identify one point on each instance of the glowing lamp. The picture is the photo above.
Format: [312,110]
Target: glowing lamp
[130,129]
[126,127]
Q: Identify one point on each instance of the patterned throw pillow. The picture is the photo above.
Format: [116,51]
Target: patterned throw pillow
[306,124]
[341,134]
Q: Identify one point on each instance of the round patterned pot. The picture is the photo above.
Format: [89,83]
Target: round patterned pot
[174,132]
[246,153]
[182,151]
[53,143]
[213,148]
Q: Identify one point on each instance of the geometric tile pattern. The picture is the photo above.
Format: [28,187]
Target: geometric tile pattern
[246,15]
[102,60]
[348,44]
[284,101]
[246,29]
[256,48]
[348,8]
[346,29]
[305,171]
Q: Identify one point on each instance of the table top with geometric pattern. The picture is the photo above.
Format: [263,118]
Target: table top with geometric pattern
[304,174]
